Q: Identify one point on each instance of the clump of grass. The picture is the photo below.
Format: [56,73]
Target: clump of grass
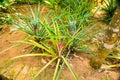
[109,7]
[31,23]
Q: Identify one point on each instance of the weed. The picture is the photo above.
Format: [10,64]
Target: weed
[31,24]
[109,7]
[5,6]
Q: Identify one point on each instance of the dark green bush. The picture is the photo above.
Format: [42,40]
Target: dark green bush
[109,7]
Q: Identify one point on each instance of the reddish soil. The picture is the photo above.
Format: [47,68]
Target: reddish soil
[23,69]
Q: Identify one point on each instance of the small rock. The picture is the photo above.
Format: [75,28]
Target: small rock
[12,30]
[43,61]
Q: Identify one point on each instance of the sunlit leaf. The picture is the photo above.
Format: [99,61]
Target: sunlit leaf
[69,67]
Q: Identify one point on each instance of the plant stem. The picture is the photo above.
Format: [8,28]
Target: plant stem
[60,70]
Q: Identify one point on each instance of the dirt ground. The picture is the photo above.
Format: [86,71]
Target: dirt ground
[26,68]
[30,65]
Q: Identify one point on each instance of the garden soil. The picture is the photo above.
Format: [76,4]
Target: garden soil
[26,68]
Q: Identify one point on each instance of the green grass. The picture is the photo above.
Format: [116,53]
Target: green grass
[109,7]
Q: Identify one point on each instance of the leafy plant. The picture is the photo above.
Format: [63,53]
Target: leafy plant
[53,47]
[77,11]
[56,36]
[31,24]
[5,9]
[5,5]
[114,57]
[8,19]
[52,3]
[58,43]
[109,7]
[5,18]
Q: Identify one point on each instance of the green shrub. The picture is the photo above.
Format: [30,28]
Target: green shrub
[56,34]
[31,24]
[5,6]
[5,9]
[109,7]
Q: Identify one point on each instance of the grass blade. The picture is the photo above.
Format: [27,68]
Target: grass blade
[32,42]
[56,70]
[60,70]
[28,55]
[18,44]
[114,56]
[69,67]
[44,67]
